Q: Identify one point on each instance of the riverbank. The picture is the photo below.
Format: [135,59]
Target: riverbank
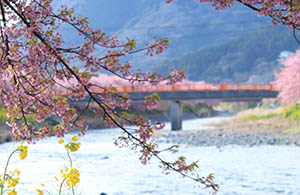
[241,130]
[219,139]
[95,124]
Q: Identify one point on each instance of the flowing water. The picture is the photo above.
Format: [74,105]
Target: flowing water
[116,171]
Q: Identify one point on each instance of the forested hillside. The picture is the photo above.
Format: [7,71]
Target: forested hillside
[233,45]
[252,56]
[188,25]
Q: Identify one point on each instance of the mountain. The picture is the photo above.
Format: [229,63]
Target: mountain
[205,43]
[191,25]
[251,57]
[188,24]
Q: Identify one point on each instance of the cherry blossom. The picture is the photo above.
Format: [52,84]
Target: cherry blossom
[287,80]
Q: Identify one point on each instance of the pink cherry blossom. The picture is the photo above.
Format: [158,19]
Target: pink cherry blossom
[287,80]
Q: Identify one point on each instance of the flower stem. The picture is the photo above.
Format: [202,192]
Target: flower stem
[70,159]
[73,192]
[60,187]
[5,170]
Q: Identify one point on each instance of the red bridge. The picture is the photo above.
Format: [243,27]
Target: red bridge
[195,87]
[192,91]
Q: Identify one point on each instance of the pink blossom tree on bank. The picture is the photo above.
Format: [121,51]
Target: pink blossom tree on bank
[287,80]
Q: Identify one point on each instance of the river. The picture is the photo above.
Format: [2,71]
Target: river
[117,171]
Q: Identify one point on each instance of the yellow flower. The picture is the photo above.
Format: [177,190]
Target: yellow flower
[72,178]
[17,172]
[39,192]
[24,151]
[73,147]
[61,141]
[13,192]
[12,182]
[42,184]
[74,138]
[2,181]
[55,178]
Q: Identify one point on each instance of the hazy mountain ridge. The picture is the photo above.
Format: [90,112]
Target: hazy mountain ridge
[253,57]
[189,26]
[194,29]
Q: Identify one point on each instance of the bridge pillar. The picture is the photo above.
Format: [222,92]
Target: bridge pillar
[176,115]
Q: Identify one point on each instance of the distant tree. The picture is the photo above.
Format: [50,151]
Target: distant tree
[288,80]
[40,73]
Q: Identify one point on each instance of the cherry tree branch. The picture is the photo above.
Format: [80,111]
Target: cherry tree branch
[68,72]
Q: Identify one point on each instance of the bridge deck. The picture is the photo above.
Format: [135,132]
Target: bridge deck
[223,91]
[228,95]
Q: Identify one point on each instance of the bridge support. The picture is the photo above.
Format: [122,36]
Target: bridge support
[176,116]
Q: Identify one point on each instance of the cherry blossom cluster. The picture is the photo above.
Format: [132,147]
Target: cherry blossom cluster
[287,80]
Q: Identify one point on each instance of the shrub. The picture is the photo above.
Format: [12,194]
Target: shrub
[292,112]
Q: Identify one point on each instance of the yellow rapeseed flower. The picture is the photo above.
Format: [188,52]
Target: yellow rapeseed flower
[61,141]
[73,147]
[2,181]
[13,192]
[74,138]
[12,182]
[23,150]
[72,178]
[17,172]
[39,192]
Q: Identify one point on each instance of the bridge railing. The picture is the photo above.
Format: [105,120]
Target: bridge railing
[246,86]
[195,87]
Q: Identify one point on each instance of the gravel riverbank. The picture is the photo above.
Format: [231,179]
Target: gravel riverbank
[235,131]
[202,138]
